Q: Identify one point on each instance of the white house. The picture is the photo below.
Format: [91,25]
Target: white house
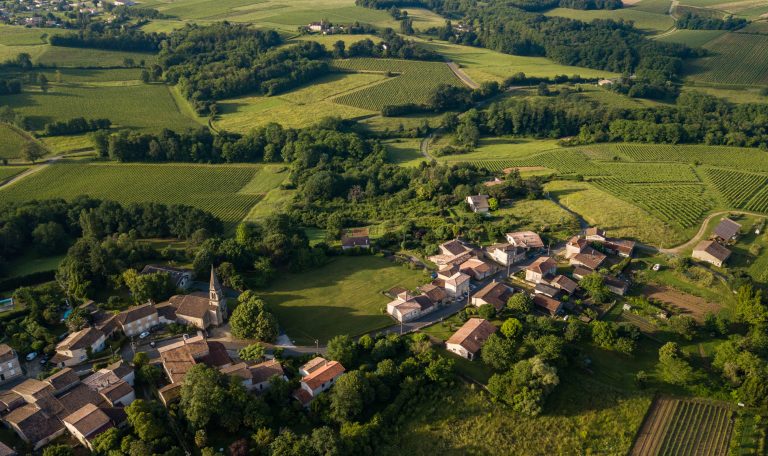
[469,339]
[455,282]
[478,203]
[505,254]
[74,349]
[540,269]
[407,307]
[321,376]
[137,319]
[711,252]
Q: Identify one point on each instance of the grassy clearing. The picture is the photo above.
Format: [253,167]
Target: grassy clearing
[268,178]
[733,94]
[584,418]
[11,51]
[89,58]
[11,142]
[343,297]
[404,152]
[651,22]
[739,59]
[32,262]
[140,106]
[274,201]
[379,123]
[653,6]
[411,83]
[68,144]
[692,38]
[613,99]
[616,216]
[542,216]
[498,149]
[486,65]
[329,40]
[214,188]
[298,108]
[12,35]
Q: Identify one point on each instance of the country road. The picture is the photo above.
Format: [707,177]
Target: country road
[677,249]
[424,147]
[32,169]
[463,76]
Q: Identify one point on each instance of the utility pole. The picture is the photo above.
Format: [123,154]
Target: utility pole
[317,346]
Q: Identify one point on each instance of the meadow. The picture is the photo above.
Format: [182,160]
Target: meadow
[651,22]
[343,297]
[89,58]
[486,65]
[504,149]
[11,142]
[134,105]
[298,108]
[692,38]
[738,59]
[404,152]
[411,81]
[215,188]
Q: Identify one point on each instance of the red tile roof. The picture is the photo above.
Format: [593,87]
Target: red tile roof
[323,374]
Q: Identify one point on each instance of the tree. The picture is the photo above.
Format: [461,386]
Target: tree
[338,49]
[58,450]
[145,287]
[201,438]
[50,237]
[520,302]
[603,334]
[749,306]
[43,81]
[145,77]
[594,285]
[147,418]
[253,352]
[202,395]
[342,349]
[575,330]
[486,311]
[349,396]
[684,325]
[107,441]
[498,352]
[324,442]
[512,328]
[493,204]
[525,386]
[250,320]
[673,368]
[32,152]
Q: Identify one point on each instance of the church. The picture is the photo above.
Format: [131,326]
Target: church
[197,309]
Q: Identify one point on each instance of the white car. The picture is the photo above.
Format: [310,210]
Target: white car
[144,335]
[656,267]
[31,356]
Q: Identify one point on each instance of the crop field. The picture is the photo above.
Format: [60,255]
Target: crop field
[692,38]
[143,106]
[759,203]
[652,22]
[343,297]
[10,142]
[735,186]
[739,58]
[298,108]
[741,158]
[653,6]
[215,188]
[89,58]
[6,172]
[412,82]
[503,148]
[685,427]
[637,173]
[486,65]
[566,161]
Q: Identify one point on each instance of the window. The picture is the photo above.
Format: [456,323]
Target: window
[13,372]
[10,365]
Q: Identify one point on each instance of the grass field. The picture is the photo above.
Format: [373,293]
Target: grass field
[692,38]
[739,59]
[343,297]
[503,149]
[653,6]
[582,418]
[486,65]
[12,35]
[274,201]
[11,142]
[89,58]
[298,108]
[651,22]
[404,152]
[215,188]
[142,106]
[685,427]
[411,83]
[68,144]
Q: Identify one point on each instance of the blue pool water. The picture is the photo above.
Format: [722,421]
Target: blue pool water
[66,313]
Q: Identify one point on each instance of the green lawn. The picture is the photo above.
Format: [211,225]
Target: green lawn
[30,263]
[343,297]
[142,106]
[216,188]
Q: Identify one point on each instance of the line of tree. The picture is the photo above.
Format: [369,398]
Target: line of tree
[76,126]
[100,35]
[544,5]
[10,86]
[391,45]
[445,97]
[691,21]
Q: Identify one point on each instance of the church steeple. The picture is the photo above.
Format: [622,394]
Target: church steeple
[215,292]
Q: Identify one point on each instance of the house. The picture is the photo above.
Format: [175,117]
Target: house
[549,306]
[527,240]
[594,234]
[505,254]
[34,425]
[455,282]
[110,375]
[452,252]
[317,26]
[579,272]
[118,394]
[76,347]
[478,204]
[179,357]
[476,268]
[5,450]
[10,368]
[616,285]
[407,307]
[137,319]
[436,294]
[312,365]
[495,293]
[575,246]
[546,290]
[180,278]
[621,247]
[727,230]
[565,284]
[540,269]
[262,374]
[90,421]
[604,82]
[589,258]
[198,309]
[350,242]
[469,339]
[321,376]
[711,252]
[63,381]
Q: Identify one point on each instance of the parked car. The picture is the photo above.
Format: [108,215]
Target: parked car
[144,335]
[656,267]
[31,356]
[152,344]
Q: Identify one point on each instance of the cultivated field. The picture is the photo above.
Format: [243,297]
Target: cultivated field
[343,297]
[739,59]
[692,38]
[298,108]
[679,302]
[89,58]
[652,22]
[129,104]
[685,427]
[225,190]
[411,82]
[11,142]
[6,172]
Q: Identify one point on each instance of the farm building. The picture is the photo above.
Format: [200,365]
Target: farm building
[616,285]
[469,339]
[478,204]
[350,242]
[711,252]
[727,230]
[594,234]
[495,293]
[589,258]
[540,269]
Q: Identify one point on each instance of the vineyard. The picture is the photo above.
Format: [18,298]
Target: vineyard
[739,58]
[685,427]
[637,173]
[10,142]
[759,203]
[7,172]
[741,158]
[212,188]
[411,82]
[736,187]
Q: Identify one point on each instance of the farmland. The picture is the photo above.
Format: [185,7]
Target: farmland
[213,188]
[648,21]
[739,59]
[343,297]
[692,38]
[10,142]
[6,172]
[411,83]
[685,427]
